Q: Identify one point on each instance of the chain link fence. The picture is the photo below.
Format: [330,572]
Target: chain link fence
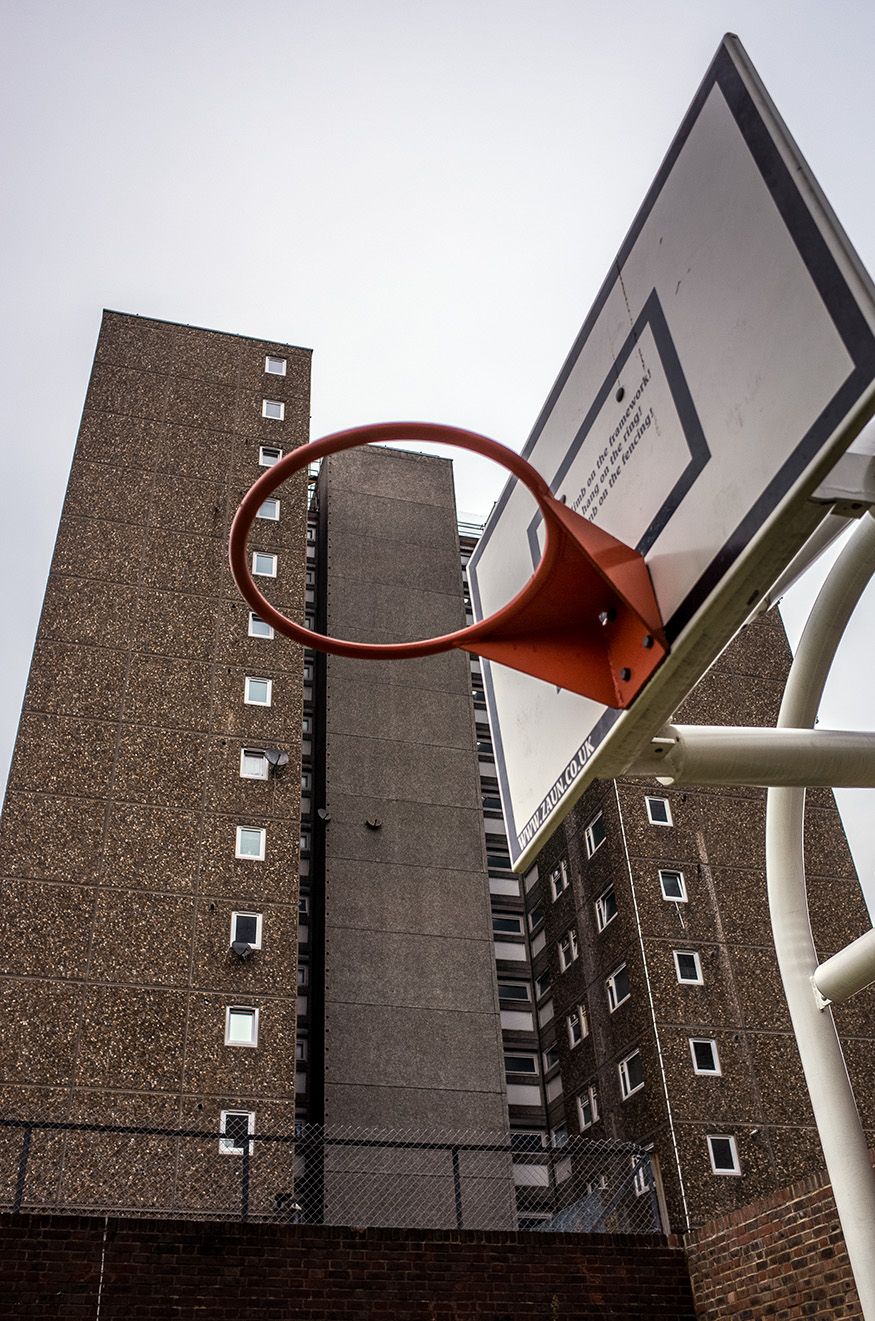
[334,1175]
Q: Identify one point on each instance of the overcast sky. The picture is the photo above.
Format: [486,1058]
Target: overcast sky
[426,194]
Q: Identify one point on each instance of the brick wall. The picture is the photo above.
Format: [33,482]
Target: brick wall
[158,1270]
[781,1257]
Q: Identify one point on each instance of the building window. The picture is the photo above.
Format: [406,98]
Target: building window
[513,925]
[587,1108]
[241,1026]
[631,1074]
[236,1126]
[253,764]
[521,1064]
[558,880]
[275,366]
[251,842]
[559,1136]
[269,509]
[618,987]
[258,628]
[688,967]
[551,1059]
[578,1026]
[536,917]
[273,409]
[305,841]
[594,834]
[673,886]
[246,929]
[268,455]
[303,904]
[704,1053]
[263,565]
[258,692]
[567,949]
[306,779]
[724,1157]
[513,991]
[605,908]
[302,974]
[542,984]
[658,811]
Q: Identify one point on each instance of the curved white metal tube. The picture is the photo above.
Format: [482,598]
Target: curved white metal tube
[835,1111]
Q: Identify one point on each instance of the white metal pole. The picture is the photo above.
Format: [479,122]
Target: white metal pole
[728,754]
[832,1099]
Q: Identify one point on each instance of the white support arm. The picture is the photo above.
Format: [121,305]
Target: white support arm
[727,754]
[847,972]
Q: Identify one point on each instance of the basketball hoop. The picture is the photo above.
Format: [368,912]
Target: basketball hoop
[587,619]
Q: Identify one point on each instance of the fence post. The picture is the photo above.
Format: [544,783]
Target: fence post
[22,1168]
[457,1187]
[244,1180]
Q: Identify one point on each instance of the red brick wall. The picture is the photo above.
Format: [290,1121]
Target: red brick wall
[161,1270]
[781,1257]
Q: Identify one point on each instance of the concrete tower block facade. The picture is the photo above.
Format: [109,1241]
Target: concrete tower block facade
[121,855]
[412,1033]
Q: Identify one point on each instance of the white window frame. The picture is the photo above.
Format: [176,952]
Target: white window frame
[539,990]
[224,1145]
[269,455]
[558,880]
[268,404]
[663,802]
[589,837]
[587,1098]
[571,937]
[522,1055]
[269,518]
[678,954]
[263,573]
[601,918]
[626,1090]
[641,1179]
[301,1051]
[526,998]
[239,912]
[252,754]
[253,619]
[251,857]
[507,917]
[303,974]
[257,678]
[673,898]
[535,917]
[241,1011]
[723,1137]
[583,1021]
[279,369]
[611,985]
[548,1064]
[716,1072]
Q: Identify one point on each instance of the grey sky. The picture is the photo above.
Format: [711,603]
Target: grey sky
[427,194]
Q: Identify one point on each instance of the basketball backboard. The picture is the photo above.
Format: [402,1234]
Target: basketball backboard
[727,363]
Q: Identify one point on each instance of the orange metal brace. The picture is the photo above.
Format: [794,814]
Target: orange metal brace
[587,620]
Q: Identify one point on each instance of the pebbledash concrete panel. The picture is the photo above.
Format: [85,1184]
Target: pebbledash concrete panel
[118,837]
[411,1013]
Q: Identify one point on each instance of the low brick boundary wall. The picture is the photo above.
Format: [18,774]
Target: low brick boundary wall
[781,1257]
[82,1268]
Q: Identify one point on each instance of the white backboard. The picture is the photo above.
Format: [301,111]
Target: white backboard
[728,361]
